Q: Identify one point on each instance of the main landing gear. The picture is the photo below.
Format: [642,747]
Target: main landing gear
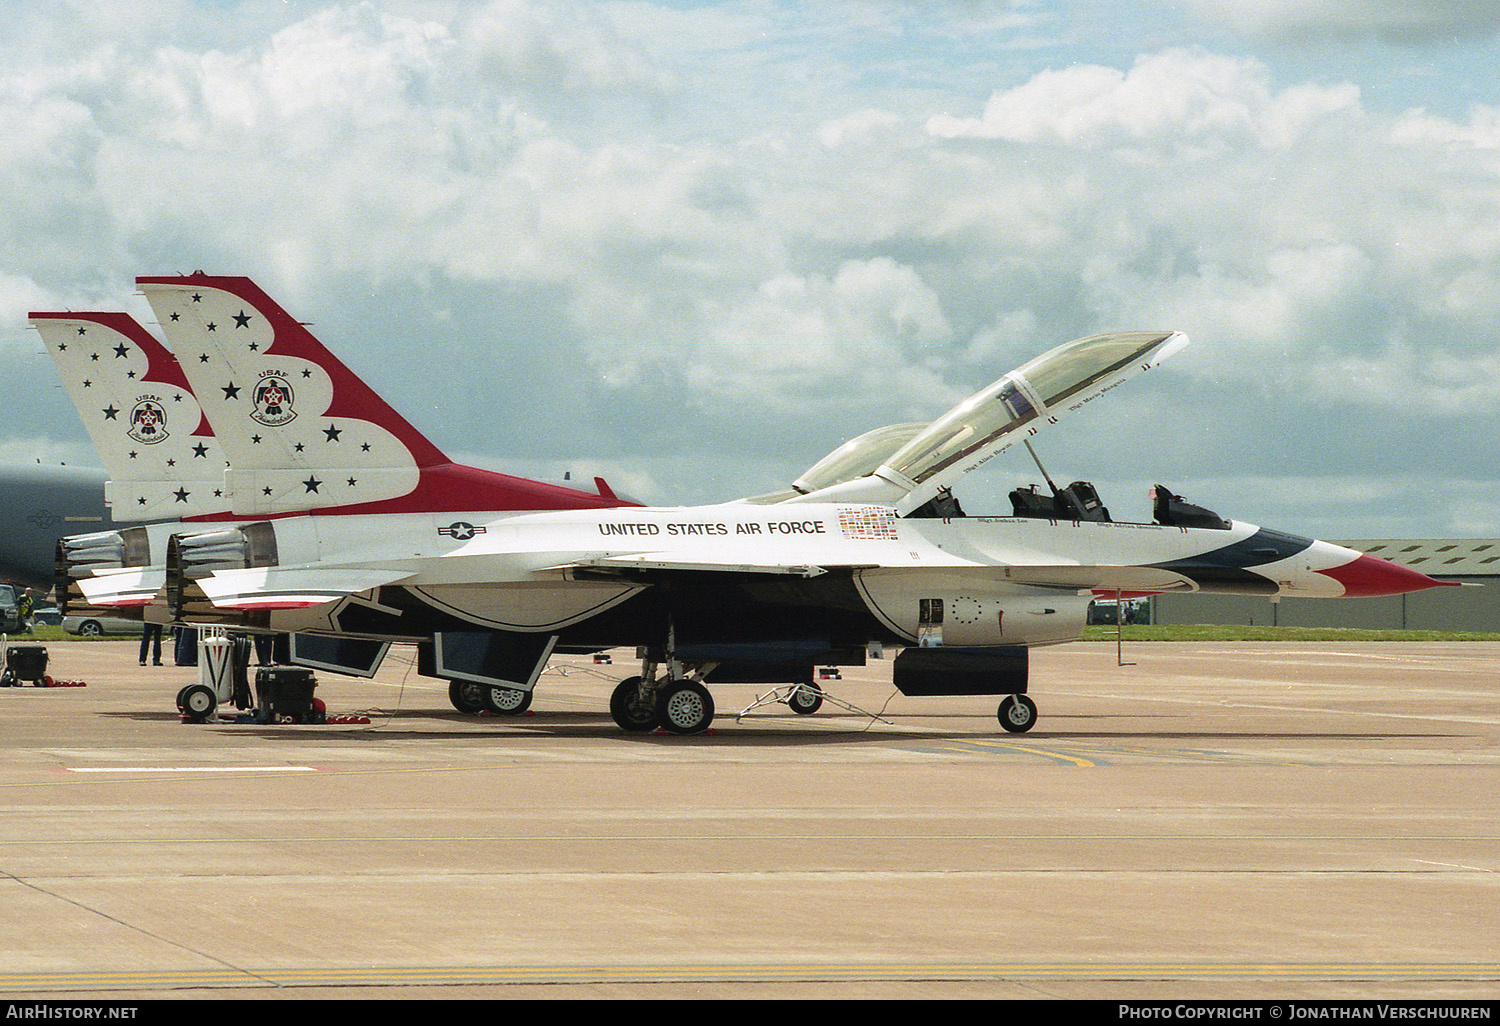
[677,704]
[472,697]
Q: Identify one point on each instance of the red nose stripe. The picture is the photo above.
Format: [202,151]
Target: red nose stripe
[1368,576]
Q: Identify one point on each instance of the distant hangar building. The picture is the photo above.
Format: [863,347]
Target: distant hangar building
[1474,562]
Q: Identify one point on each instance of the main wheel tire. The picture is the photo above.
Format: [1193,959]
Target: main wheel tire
[630,710]
[198,702]
[502,701]
[465,696]
[1017,714]
[805,699]
[685,707]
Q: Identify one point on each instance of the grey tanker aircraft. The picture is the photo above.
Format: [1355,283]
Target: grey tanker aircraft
[343,523]
[43,503]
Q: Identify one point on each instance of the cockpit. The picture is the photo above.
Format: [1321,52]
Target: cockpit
[1080,501]
[914,467]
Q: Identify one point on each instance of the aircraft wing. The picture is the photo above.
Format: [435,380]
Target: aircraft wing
[1073,578]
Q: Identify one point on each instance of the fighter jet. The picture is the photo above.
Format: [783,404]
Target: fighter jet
[873,548]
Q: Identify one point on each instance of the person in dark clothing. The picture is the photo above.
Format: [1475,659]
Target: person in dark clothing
[151,638]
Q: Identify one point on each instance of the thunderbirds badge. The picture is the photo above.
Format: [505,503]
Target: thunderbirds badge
[148,421]
[273,401]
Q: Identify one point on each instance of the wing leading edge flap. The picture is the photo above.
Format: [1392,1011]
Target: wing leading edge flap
[290,588]
[650,561]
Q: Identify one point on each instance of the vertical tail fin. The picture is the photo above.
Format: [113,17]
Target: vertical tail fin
[158,448]
[301,431]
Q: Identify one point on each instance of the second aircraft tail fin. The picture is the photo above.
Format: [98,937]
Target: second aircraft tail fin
[158,448]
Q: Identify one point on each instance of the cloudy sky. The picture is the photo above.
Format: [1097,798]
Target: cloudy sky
[693,246]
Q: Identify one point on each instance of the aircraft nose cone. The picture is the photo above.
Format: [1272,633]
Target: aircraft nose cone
[1368,576]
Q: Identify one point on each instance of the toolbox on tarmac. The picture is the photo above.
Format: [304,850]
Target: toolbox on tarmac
[285,691]
[23,663]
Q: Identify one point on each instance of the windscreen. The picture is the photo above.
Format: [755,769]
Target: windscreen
[857,457]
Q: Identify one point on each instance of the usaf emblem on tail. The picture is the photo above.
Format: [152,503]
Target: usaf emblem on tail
[273,401]
[148,421]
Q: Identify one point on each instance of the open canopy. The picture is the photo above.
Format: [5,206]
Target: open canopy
[992,420]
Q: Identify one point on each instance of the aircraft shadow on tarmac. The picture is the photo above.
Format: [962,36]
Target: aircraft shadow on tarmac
[387,726]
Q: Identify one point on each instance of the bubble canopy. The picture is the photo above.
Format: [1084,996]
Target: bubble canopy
[1035,389]
[987,423]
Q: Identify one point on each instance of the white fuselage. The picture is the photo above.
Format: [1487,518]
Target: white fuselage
[1002,580]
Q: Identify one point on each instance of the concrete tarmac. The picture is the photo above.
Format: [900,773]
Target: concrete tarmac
[1235,820]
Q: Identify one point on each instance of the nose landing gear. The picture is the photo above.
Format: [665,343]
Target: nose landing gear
[1017,714]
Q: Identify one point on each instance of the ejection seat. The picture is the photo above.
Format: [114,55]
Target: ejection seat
[1171,511]
[1078,501]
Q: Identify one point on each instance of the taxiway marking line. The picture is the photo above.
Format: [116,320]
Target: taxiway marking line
[190,769]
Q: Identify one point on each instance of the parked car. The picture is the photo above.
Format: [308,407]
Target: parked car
[95,626]
[48,615]
[8,619]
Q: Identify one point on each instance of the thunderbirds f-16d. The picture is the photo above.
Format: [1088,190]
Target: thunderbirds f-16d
[302,503]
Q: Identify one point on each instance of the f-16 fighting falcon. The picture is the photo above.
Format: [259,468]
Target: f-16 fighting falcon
[333,519]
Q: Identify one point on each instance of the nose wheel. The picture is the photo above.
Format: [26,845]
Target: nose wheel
[1017,714]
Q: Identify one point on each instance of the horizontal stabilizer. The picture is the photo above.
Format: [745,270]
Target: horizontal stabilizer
[132,586]
[256,588]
